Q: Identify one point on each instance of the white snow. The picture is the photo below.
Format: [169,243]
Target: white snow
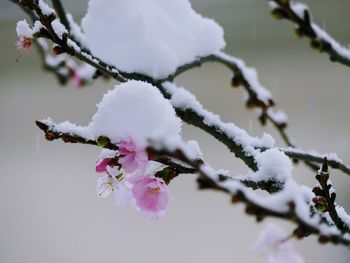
[23,29]
[272,165]
[69,128]
[138,110]
[250,75]
[299,9]
[45,9]
[59,28]
[153,37]
[75,30]
[335,45]
[183,99]
[278,116]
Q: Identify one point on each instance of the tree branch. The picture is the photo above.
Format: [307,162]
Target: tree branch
[289,211]
[57,5]
[299,14]
[325,198]
[259,96]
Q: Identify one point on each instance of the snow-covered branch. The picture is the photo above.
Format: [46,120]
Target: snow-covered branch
[70,133]
[299,14]
[292,202]
[138,122]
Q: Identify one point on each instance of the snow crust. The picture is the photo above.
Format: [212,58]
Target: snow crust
[138,110]
[153,37]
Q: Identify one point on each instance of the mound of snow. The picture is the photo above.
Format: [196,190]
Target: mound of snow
[151,37]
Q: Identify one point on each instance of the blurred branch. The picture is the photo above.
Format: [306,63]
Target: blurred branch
[314,158]
[57,5]
[299,14]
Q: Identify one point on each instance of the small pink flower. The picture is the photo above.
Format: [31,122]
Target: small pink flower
[101,165]
[75,77]
[150,195]
[274,241]
[24,44]
[132,157]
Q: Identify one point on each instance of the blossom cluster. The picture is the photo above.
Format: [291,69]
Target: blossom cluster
[126,176]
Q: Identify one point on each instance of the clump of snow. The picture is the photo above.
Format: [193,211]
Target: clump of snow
[24,30]
[273,164]
[45,9]
[59,28]
[153,37]
[299,9]
[278,116]
[138,110]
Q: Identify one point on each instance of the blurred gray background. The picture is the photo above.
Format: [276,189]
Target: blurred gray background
[49,211]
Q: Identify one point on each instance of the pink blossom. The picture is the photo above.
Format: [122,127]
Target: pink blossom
[75,77]
[274,241]
[24,44]
[150,195]
[101,165]
[132,157]
[77,80]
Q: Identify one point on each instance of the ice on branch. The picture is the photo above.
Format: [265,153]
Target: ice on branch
[274,241]
[154,38]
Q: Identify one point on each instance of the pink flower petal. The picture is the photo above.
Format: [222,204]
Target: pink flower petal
[150,195]
[101,165]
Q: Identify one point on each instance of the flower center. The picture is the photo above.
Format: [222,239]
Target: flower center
[153,191]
